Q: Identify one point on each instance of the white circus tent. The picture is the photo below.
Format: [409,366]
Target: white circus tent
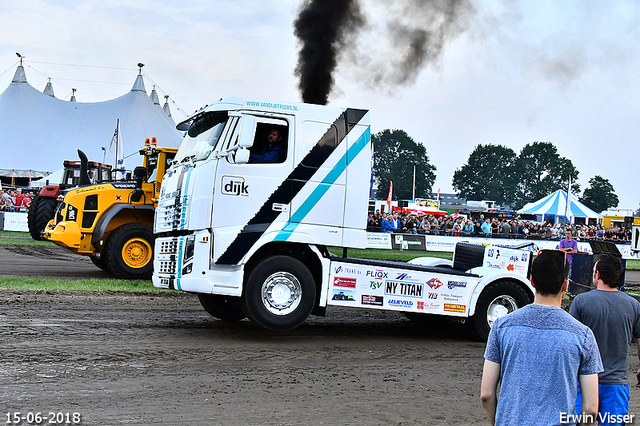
[39,131]
[554,205]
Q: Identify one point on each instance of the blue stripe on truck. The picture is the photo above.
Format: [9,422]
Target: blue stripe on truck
[323,187]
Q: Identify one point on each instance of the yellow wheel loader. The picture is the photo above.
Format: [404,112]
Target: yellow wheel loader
[112,222]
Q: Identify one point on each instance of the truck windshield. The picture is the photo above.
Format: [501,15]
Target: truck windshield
[202,136]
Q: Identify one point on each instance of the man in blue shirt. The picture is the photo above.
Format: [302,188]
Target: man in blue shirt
[273,152]
[538,354]
[486,228]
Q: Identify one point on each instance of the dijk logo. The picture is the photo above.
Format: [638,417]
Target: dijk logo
[234,185]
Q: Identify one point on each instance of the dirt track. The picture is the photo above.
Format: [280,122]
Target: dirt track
[148,359]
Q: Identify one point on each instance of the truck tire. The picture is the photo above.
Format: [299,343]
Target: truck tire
[224,308]
[129,251]
[279,293]
[41,211]
[100,263]
[496,300]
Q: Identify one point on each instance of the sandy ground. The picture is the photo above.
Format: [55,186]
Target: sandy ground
[161,360]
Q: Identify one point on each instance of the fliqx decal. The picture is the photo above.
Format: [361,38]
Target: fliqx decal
[292,186]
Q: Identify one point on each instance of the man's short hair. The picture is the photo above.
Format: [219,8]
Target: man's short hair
[611,270]
[549,271]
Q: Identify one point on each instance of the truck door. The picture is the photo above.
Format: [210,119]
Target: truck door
[253,198]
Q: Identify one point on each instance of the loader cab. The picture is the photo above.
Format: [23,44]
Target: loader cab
[157,161]
[98,172]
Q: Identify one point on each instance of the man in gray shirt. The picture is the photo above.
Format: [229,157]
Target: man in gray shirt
[614,318]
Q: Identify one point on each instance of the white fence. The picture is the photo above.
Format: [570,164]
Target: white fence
[380,240]
[15,222]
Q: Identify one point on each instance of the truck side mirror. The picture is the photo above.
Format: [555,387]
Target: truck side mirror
[242,155]
[246,131]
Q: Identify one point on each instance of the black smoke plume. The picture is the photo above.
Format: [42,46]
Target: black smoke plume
[323,28]
[413,36]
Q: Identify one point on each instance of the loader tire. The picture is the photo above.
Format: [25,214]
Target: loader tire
[100,263]
[41,211]
[129,251]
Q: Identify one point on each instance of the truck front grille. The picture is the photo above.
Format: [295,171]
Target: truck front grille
[170,217]
[167,253]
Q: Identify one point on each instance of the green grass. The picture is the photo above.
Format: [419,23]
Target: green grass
[23,238]
[13,238]
[34,284]
[633,264]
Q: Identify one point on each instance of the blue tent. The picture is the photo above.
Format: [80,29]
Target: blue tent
[555,204]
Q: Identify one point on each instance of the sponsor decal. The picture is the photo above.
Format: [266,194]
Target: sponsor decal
[378,273]
[510,267]
[432,296]
[345,270]
[400,303]
[450,307]
[403,289]
[372,300]
[343,295]
[493,265]
[451,297]
[452,284]
[434,283]
[525,257]
[234,185]
[427,306]
[403,276]
[374,285]
[490,253]
[344,282]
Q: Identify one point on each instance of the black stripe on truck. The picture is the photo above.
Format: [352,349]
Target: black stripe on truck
[291,186]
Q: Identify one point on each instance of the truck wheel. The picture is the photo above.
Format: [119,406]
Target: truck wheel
[129,251]
[279,293]
[496,300]
[41,211]
[225,308]
[100,263]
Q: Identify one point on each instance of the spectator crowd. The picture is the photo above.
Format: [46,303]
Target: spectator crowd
[459,226]
[13,200]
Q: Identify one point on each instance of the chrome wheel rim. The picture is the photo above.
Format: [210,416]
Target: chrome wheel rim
[499,307]
[281,293]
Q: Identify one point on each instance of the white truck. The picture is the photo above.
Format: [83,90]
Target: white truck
[251,238]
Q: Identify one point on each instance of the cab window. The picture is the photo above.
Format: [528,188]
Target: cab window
[270,143]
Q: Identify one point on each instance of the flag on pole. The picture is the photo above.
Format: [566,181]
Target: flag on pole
[117,150]
[567,205]
[389,196]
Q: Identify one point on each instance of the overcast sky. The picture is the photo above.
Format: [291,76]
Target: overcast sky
[509,72]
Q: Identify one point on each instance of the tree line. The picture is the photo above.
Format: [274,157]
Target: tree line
[492,172]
